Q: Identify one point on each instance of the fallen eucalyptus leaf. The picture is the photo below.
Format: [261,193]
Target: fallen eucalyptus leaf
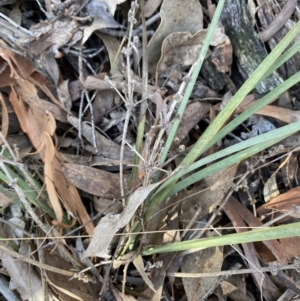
[110,224]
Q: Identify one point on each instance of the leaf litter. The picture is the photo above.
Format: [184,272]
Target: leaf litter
[68,83]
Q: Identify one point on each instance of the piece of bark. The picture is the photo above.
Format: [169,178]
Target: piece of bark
[247,48]
[267,15]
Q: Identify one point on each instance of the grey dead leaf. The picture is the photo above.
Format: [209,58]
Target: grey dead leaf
[64,95]
[202,198]
[95,181]
[106,147]
[102,103]
[111,5]
[193,113]
[211,191]
[55,36]
[174,19]
[68,289]
[107,206]
[102,19]
[16,228]
[182,48]
[150,7]
[219,37]
[23,276]
[50,66]
[15,14]
[116,59]
[6,292]
[208,260]
[112,223]
[116,117]
[4,200]
[139,264]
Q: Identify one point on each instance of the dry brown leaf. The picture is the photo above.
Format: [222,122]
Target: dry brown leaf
[21,68]
[222,56]
[4,118]
[49,180]
[95,181]
[35,124]
[44,106]
[174,19]
[5,78]
[4,200]
[290,245]
[282,203]
[241,215]
[110,224]
[285,115]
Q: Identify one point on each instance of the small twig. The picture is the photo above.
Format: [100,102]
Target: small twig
[92,120]
[279,21]
[80,121]
[228,273]
[296,209]
[121,33]
[129,102]
[16,25]
[149,22]
[34,262]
